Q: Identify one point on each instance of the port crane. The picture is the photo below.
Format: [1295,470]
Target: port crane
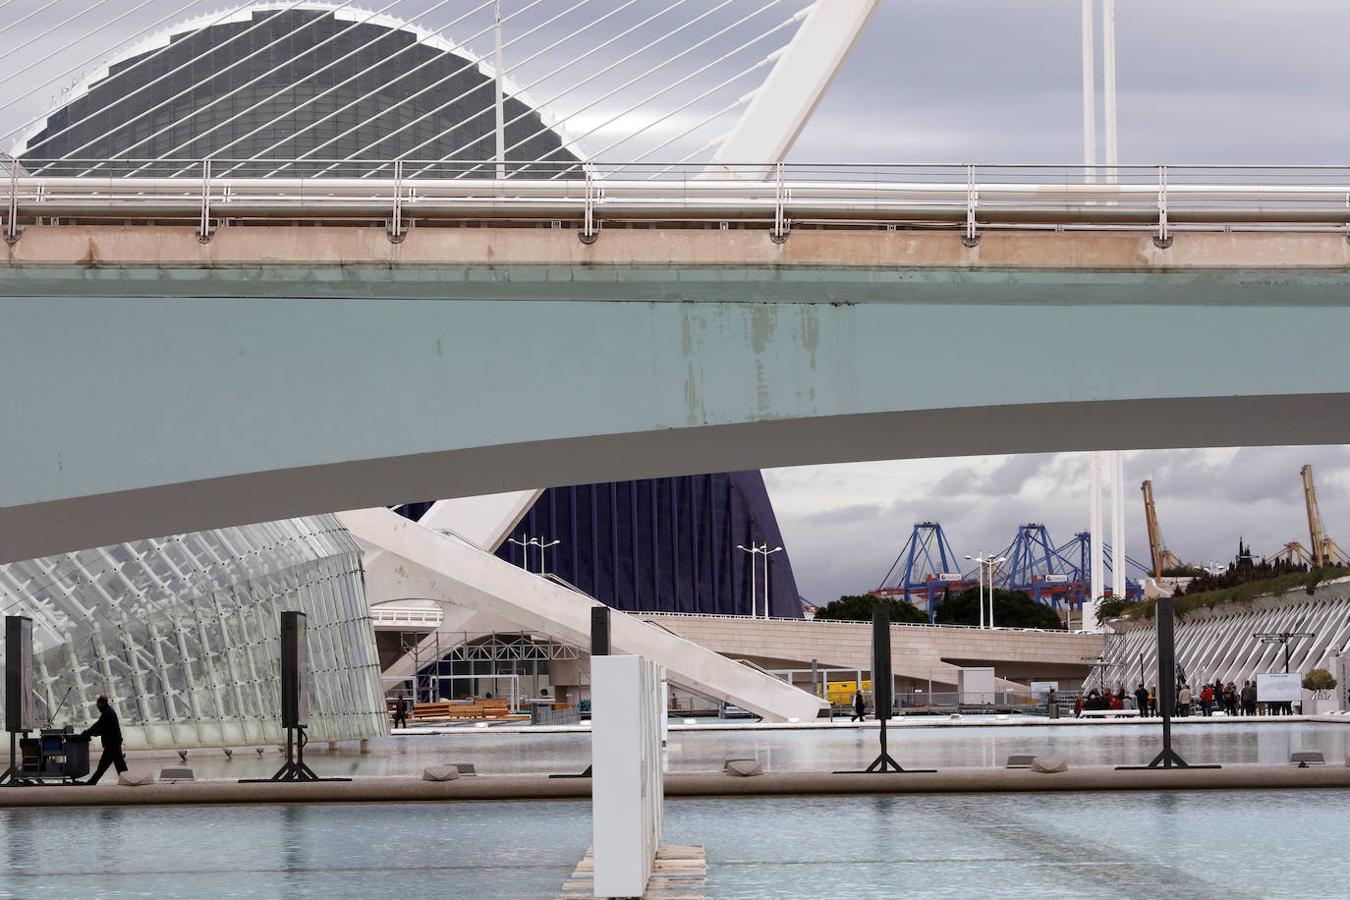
[1324,551]
[1161,558]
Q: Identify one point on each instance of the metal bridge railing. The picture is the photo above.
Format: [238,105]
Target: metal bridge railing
[827,622]
[969,199]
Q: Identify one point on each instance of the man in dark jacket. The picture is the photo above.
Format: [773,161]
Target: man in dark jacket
[401,711]
[1141,699]
[859,708]
[110,732]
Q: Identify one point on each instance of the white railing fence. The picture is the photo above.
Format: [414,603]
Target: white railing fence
[399,194]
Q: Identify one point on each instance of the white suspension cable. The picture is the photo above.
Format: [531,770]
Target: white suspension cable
[71,43]
[150,29]
[146,59]
[414,70]
[523,88]
[681,108]
[356,128]
[703,123]
[469,65]
[695,152]
[291,111]
[4,3]
[19,21]
[526,61]
[788,22]
[601,73]
[252,81]
[214,75]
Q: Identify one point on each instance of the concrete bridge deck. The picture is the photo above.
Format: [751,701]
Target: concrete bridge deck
[284,370]
[918,652]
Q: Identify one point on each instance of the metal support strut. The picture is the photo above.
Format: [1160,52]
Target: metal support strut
[779,234]
[972,237]
[1163,239]
[12,217]
[590,231]
[396,233]
[204,227]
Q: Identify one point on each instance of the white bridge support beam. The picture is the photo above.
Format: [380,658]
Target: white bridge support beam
[448,569]
[788,97]
[627,789]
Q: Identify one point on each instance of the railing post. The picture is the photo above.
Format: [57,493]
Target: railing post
[12,218]
[589,231]
[204,227]
[396,234]
[779,234]
[1163,239]
[972,237]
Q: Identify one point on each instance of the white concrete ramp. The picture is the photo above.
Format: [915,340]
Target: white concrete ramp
[456,571]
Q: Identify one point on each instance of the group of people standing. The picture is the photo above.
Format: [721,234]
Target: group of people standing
[1218,697]
[1228,699]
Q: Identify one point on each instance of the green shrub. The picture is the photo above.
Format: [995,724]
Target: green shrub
[1319,681]
[858,608]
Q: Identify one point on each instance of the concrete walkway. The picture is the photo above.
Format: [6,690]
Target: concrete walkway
[540,787]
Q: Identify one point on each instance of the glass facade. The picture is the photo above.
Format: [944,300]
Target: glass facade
[182,634]
[278,84]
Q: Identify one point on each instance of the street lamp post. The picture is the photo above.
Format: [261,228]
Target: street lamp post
[524,550]
[764,549]
[992,564]
[752,550]
[542,548]
[979,578]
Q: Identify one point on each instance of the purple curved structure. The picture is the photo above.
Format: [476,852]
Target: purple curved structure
[664,544]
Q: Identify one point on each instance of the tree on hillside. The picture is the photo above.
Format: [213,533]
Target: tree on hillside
[1012,609]
[858,608]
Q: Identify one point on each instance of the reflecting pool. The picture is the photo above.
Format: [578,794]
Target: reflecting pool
[1195,845]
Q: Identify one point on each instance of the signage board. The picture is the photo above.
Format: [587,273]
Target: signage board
[1279,688]
[1041,689]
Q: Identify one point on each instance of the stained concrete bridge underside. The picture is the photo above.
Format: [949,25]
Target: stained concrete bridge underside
[152,384]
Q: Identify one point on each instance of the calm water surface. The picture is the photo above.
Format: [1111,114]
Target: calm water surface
[1196,845]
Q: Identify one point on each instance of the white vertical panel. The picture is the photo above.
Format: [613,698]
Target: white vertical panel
[627,794]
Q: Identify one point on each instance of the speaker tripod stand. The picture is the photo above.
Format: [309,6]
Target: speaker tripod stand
[294,768]
[884,763]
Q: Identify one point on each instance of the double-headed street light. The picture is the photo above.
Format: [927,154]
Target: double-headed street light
[525,546]
[987,559]
[759,550]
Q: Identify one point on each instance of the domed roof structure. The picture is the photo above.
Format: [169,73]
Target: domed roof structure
[282,82]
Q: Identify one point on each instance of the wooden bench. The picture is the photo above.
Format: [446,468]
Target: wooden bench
[460,709]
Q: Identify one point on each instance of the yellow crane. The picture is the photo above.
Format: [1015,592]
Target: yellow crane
[1162,558]
[1324,550]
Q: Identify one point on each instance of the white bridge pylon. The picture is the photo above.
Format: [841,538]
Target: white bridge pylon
[458,572]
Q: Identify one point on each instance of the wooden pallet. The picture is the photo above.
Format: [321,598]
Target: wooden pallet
[678,874]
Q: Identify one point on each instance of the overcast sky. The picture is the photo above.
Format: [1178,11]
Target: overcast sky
[1252,81]
[1240,81]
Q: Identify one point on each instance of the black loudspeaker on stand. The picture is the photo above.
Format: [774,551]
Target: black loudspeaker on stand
[18,690]
[1167,758]
[883,685]
[294,701]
